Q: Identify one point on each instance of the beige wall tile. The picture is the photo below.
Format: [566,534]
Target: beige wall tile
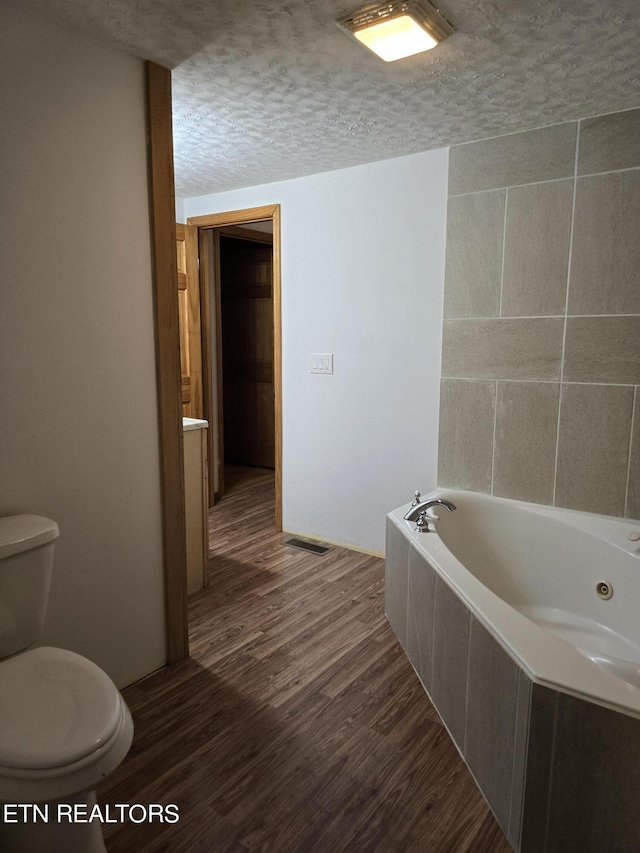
[633,489]
[541,733]
[605,259]
[593,447]
[475,230]
[502,349]
[519,158]
[525,440]
[602,349]
[450,660]
[609,142]
[538,229]
[492,703]
[594,780]
[465,446]
[422,582]
[396,581]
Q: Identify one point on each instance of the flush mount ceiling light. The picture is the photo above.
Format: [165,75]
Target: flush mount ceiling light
[395,30]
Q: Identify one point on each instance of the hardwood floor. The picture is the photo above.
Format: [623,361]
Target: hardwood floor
[298,725]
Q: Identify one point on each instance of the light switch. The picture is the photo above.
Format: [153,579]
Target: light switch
[321,362]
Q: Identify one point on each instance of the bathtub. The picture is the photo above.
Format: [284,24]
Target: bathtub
[523,624]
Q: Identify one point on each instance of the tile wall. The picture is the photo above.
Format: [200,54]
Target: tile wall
[541,335]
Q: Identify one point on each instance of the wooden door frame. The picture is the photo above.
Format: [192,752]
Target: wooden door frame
[168,376]
[243,217]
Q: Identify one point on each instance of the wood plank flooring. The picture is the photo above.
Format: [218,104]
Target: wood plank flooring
[298,725]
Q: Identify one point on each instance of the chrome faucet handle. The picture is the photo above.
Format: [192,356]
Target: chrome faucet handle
[422,523]
[416,499]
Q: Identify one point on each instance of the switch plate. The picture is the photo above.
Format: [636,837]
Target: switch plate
[321,362]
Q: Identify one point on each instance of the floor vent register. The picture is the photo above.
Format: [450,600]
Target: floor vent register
[307,546]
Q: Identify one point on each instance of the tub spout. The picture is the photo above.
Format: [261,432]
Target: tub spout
[416,511]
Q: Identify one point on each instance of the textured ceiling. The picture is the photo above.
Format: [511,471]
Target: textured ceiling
[266,90]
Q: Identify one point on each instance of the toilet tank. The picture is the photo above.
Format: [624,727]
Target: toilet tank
[26,562]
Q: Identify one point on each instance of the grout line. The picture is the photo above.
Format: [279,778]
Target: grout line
[548,181]
[504,243]
[512,187]
[576,121]
[539,381]
[526,760]
[493,443]
[606,384]
[566,313]
[514,739]
[607,172]
[599,316]
[541,317]
[633,415]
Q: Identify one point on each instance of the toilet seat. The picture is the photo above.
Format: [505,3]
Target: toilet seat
[56,707]
[63,724]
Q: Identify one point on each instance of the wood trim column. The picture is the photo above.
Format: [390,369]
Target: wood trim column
[277,359]
[165,289]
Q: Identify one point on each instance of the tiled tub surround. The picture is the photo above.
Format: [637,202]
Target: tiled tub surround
[552,738]
[541,336]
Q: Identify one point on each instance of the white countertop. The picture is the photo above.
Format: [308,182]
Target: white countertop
[194,423]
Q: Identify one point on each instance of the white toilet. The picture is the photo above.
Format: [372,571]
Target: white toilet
[64,726]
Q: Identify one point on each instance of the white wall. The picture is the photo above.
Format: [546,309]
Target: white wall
[362,277]
[78,435]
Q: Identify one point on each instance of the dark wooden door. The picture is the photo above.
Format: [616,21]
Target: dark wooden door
[247,351]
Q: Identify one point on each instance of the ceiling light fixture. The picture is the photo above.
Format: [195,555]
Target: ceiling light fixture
[395,30]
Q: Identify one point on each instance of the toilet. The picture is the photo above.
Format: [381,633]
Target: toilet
[64,727]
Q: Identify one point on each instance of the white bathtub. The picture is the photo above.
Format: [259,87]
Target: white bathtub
[529,574]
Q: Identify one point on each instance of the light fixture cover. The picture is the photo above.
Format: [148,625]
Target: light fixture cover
[397,29]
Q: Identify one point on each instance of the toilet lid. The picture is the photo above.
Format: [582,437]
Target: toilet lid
[56,707]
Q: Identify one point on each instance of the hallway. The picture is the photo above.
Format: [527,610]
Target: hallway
[298,723]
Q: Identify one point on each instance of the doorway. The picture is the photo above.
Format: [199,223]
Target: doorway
[168,368]
[246,302]
[239,258]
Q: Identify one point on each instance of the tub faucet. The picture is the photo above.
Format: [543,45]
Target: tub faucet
[420,515]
